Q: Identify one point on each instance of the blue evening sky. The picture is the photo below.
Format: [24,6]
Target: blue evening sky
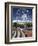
[17,13]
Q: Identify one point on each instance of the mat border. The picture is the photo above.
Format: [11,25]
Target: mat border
[7,16]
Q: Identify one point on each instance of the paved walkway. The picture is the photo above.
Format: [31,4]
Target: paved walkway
[18,34]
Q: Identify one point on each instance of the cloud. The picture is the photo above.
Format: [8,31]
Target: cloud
[24,17]
[22,12]
[27,10]
[21,21]
[18,12]
[18,21]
